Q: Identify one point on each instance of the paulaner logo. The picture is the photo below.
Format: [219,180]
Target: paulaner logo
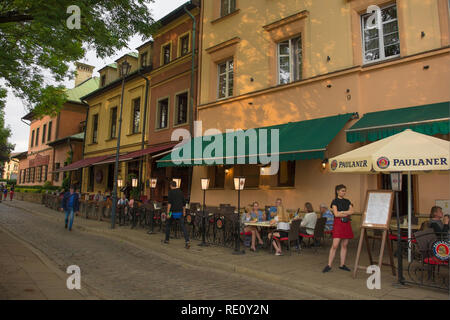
[420,162]
[351,164]
[232,147]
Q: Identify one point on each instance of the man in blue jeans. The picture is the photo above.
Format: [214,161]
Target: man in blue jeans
[176,208]
[70,204]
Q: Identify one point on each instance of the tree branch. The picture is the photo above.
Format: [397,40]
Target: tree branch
[14,16]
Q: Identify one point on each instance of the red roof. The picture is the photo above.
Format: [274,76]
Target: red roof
[82,163]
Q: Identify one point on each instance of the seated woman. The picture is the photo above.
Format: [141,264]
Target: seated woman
[256,213]
[309,221]
[282,222]
[249,217]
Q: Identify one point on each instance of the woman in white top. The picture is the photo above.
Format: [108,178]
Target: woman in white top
[283,226]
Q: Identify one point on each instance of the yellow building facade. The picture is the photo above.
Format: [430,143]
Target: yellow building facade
[273,62]
[103,124]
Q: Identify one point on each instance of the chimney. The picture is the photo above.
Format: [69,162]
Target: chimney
[83,72]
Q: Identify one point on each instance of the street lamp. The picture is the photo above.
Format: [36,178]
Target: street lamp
[120,183]
[152,188]
[205,186]
[134,182]
[177,181]
[125,69]
[239,183]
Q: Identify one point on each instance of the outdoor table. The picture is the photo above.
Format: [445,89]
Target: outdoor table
[413,227]
[265,224]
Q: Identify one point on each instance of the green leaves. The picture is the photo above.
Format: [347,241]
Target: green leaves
[38,47]
[5,132]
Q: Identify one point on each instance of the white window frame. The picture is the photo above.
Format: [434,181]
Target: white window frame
[380,37]
[227,78]
[292,59]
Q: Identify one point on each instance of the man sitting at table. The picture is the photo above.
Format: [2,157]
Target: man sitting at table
[438,222]
[273,209]
[326,213]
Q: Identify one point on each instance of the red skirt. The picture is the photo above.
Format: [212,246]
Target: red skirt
[342,230]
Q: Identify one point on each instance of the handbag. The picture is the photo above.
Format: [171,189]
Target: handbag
[346,219]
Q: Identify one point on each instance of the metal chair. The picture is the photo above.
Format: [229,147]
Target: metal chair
[318,232]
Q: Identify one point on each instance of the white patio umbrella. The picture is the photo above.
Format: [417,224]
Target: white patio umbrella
[407,152]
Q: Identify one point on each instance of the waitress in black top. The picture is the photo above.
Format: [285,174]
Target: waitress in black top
[342,228]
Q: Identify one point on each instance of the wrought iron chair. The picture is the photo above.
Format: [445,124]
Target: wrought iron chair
[292,236]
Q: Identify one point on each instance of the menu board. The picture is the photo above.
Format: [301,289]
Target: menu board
[378,209]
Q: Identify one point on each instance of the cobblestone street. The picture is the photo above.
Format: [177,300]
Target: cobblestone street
[118,270]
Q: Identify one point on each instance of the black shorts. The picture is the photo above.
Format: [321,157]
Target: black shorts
[283,234]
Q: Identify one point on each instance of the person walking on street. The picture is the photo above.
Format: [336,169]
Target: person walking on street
[11,193]
[70,204]
[342,228]
[5,192]
[176,211]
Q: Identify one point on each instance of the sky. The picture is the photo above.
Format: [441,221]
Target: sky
[15,109]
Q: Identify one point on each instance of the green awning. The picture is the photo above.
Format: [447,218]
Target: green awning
[297,141]
[428,119]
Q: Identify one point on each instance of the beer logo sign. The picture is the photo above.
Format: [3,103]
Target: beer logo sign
[441,250]
[334,165]
[383,162]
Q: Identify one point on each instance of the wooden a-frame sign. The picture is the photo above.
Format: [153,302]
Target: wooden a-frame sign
[376,216]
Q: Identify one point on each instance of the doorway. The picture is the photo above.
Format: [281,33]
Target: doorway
[384,183]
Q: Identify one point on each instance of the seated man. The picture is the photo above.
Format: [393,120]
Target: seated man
[273,209]
[326,213]
[438,222]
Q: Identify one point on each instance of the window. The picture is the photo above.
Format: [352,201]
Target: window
[166,54]
[44,130]
[136,115]
[37,137]
[225,79]
[290,60]
[227,7]
[112,131]
[49,135]
[38,174]
[144,59]
[384,43]
[251,173]
[184,44]
[181,108]
[32,139]
[27,173]
[216,175]
[163,111]
[94,128]
[286,174]
[32,174]
[103,80]
[57,166]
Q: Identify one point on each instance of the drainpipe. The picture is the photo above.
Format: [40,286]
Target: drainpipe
[141,163]
[84,143]
[191,107]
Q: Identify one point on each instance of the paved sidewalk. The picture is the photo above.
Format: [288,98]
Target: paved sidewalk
[299,271]
[26,275]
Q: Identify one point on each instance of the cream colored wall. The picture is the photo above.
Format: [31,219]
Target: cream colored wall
[432,187]
[332,28]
